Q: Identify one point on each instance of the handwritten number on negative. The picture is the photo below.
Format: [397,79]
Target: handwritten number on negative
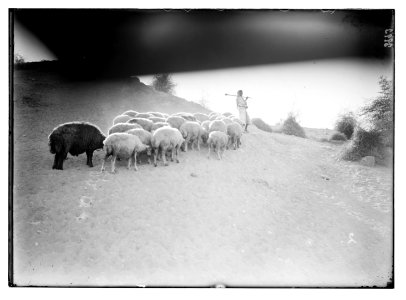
[388,41]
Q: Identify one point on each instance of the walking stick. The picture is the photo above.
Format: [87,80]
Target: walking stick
[236,96]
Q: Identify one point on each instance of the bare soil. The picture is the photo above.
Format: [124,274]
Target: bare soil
[279,211]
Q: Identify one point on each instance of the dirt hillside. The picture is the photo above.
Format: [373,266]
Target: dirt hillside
[280,211]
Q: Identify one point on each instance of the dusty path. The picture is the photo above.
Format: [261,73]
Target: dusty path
[279,211]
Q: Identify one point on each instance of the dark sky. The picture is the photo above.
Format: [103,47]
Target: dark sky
[125,42]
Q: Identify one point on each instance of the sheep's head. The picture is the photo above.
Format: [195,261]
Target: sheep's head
[205,136]
[149,150]
[184,133]
[100,141]
[143,148]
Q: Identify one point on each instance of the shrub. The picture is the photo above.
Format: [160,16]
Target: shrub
[258,122]
[291,127]
[163,82]
[380,111]
[346,124]
[338,136]
[18,59]
[364,143]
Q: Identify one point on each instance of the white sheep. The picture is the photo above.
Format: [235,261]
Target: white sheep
[175,121]
[145,123]
[227,120]
[201,117]
[131,113]
[122,145]
[237,120]
[157,125]
[192,132]
[157,119]
[145,138]
[218,140]
[156,114]
[217,125]
[186,116]
[214,117]
[205,125]
[234,131]
[143,115]
[121,119]
[166,138]
[123,127]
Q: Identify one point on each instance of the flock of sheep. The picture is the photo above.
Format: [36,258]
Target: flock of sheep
[152,133]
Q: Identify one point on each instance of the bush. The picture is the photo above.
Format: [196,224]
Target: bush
[163,83]
[261,124]
[338,136]
[291,127]
[380,111]
[365,143]
[18,59]
[346,124]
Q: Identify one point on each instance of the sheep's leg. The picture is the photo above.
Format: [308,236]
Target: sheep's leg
[173,153]
[89,155]
[113,163]
[164,156]
[168,153]
[224,150]
[157,153]
[208,155]
[187,142]
[60,165]
[193,146]
[129,162]
[194,143]
[135,159]
[218,152]
[56,161]
[104,162]
[155,156]
[62,157]
[198,143]
[149,154]
[177,152]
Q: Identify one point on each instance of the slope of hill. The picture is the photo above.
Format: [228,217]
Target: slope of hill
[280,211]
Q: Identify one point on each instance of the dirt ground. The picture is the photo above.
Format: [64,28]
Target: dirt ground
[279,211]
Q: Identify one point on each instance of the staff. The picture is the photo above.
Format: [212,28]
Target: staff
[246,97]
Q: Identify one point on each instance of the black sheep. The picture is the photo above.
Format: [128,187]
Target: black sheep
[75,138]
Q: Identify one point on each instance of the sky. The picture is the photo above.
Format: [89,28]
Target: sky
[316,91]
[29,46]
